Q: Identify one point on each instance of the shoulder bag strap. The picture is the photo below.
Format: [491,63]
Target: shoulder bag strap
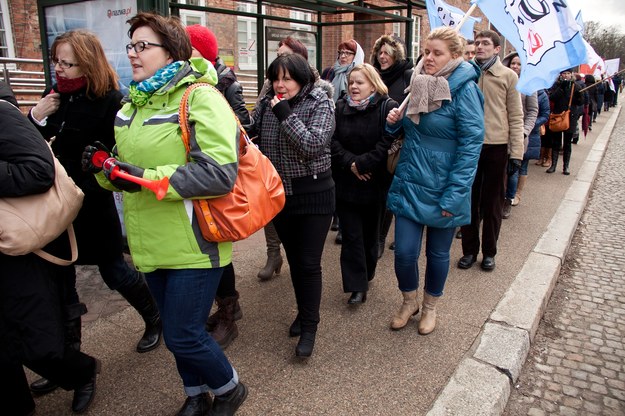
[183,118]
[572,91]
[56,260]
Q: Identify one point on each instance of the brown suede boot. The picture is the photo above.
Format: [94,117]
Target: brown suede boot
[547,161]
[542,157]
[519,190]
[226,329]
[408,308]
[427,323]
[214,319]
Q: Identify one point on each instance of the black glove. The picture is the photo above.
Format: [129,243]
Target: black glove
[514,166]
[123,184]
[282,110]
[87,157]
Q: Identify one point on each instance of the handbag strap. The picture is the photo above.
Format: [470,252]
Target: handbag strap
[183,118]
[572,91]
[57,260]
[383,114]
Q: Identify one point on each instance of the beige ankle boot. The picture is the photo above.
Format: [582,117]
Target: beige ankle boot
[427,323]
[519,190]
[407,309]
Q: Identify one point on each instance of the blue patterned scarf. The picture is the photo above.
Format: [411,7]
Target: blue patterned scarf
[140,92]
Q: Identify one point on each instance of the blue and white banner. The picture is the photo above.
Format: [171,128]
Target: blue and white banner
[442,14]
[544,33]
[594,65]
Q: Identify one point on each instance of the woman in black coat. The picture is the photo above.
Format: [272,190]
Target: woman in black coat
[31,317]
[559,96]
[78,111]
[359,153]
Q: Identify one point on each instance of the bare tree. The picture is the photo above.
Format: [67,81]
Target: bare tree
[608,41]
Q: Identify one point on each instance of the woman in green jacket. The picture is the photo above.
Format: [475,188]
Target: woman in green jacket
[182,269]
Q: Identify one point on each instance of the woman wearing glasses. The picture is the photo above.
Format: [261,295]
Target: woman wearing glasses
[79,110]
[182,269]
[349,55]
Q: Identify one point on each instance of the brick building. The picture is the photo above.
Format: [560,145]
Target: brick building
[235,26]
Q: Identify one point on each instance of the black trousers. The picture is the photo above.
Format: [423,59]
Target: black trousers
[487,199]
[31,330]
[360,224]
[227,284]
[303,237]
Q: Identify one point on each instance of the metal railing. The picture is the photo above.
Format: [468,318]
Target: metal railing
[27,85]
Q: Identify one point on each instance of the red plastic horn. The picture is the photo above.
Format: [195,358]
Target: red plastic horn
[159,187]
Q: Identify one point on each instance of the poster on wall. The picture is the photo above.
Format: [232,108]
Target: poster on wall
[105,18]
[273,36]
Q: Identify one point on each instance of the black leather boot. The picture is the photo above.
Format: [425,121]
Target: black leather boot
[295,330]
[72,331]
[227,404]
[554,160]
[83,395]
[140,298]
[196,405]
[566,158]
[305,345]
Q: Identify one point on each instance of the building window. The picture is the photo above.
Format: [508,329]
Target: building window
[397,25]
[193,17]
[6,36]
[247,38]
[416,37]
[300,15]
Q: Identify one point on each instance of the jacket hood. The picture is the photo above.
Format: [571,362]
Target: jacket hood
[465,72]
[506,60]
[394,42]
[326,86]
[198,70]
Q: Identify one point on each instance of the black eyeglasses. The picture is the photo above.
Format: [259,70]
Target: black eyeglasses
[140,46]
[345,53]
[62,64]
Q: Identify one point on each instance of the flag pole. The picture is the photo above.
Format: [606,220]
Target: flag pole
[404,103]
[605,79]
[466,16]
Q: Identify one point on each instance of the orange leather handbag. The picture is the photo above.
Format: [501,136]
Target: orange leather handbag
[560,121]
[257,196]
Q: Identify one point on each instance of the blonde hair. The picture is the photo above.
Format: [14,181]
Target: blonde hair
[90,57]
[453,40]
[372,76]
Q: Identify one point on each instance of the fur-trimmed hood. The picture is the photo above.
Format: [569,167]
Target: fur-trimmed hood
[326,86]
[394,42]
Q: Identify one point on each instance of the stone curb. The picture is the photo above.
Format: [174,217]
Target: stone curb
[482,381]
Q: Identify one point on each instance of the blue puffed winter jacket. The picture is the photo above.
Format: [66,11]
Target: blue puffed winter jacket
[533,147]
[439,156]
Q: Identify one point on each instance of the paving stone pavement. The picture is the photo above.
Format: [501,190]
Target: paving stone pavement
[576,365]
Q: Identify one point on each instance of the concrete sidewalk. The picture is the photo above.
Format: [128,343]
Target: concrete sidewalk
[360,366]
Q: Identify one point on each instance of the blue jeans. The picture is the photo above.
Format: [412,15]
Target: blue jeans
[408,238]
[513,180]
[184,299]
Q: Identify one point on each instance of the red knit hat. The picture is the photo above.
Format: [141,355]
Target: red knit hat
[204,41]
